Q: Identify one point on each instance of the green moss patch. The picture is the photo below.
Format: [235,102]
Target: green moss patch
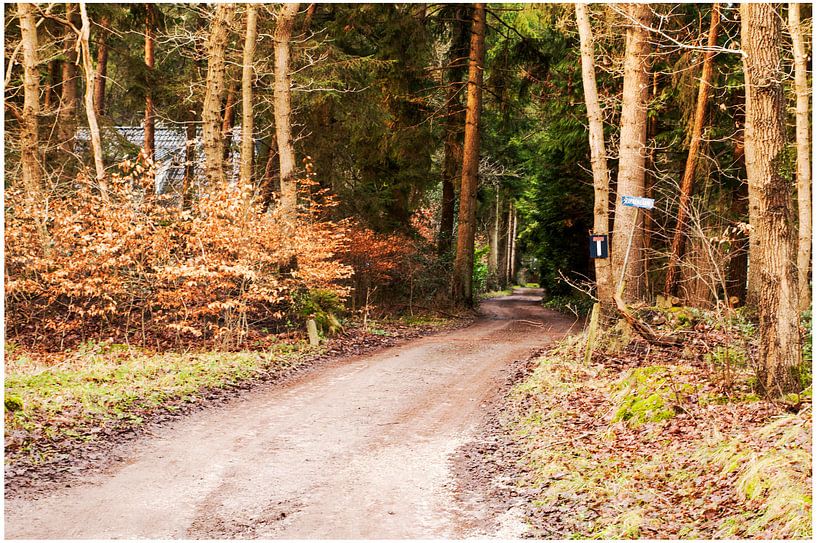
[649,394]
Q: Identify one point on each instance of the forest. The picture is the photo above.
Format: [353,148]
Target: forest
[199,198]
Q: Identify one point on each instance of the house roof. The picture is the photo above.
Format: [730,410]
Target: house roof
[170,150]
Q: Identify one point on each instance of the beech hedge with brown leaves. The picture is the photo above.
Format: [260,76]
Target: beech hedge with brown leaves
[128,268]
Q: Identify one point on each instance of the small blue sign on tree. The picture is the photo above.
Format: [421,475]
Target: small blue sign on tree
[637,201]
[598,246]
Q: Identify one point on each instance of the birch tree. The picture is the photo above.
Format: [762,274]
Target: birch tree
[772,249]
[462,288]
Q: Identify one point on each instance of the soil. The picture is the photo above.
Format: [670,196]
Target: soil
[362,447]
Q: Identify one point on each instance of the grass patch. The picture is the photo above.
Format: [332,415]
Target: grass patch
[772,474]
[103,386]
[495,294]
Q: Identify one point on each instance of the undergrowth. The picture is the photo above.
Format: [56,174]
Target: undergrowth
[633,446]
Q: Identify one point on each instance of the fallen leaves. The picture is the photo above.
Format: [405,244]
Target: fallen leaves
[717,467]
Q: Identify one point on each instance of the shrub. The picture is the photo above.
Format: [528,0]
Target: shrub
[80,267]
[323,305]
[398,267]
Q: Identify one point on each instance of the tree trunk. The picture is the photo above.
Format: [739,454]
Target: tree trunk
[598,159]
[310,12]
[452,157]
[213,142]
[649,184]
[90,108]
[150,117]
[52,81]
[269,186]
[801,89]
[283,111]
[101,64]
[67,116]
[512,259]
[462,288]
[687,183]
[493,243]
[772,250]
[632,152]
[30,129]
[246,96]
[189,162]
[229,116]
[506,246]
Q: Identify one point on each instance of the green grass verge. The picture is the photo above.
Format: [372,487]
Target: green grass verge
[100,386]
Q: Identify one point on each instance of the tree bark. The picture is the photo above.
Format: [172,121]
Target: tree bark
[452,157]
[801,89]
[512,259]
[508,244]
[189,161]
[246,95]
[598,159]
[462,288]
[150,117]
[213,142]
[90,107]
[310,12]
[67,116]
[687,183]
[101,64]
[632,152]
[269,186]
[30,128]
[649,182]
[52,81]
[493,242]
[772,249]
[283,111]
[229,116]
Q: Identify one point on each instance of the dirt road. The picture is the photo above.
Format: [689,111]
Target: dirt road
[358,449]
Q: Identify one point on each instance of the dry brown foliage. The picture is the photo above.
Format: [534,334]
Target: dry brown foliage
[140,270]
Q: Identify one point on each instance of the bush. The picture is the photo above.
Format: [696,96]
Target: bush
[397,267]
[323,305]
[82,267]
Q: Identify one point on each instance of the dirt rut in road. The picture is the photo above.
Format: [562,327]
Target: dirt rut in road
[357,450]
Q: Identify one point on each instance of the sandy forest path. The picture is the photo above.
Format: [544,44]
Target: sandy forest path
[357,449]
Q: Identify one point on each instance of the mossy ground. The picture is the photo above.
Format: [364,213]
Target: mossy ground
[646,444]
